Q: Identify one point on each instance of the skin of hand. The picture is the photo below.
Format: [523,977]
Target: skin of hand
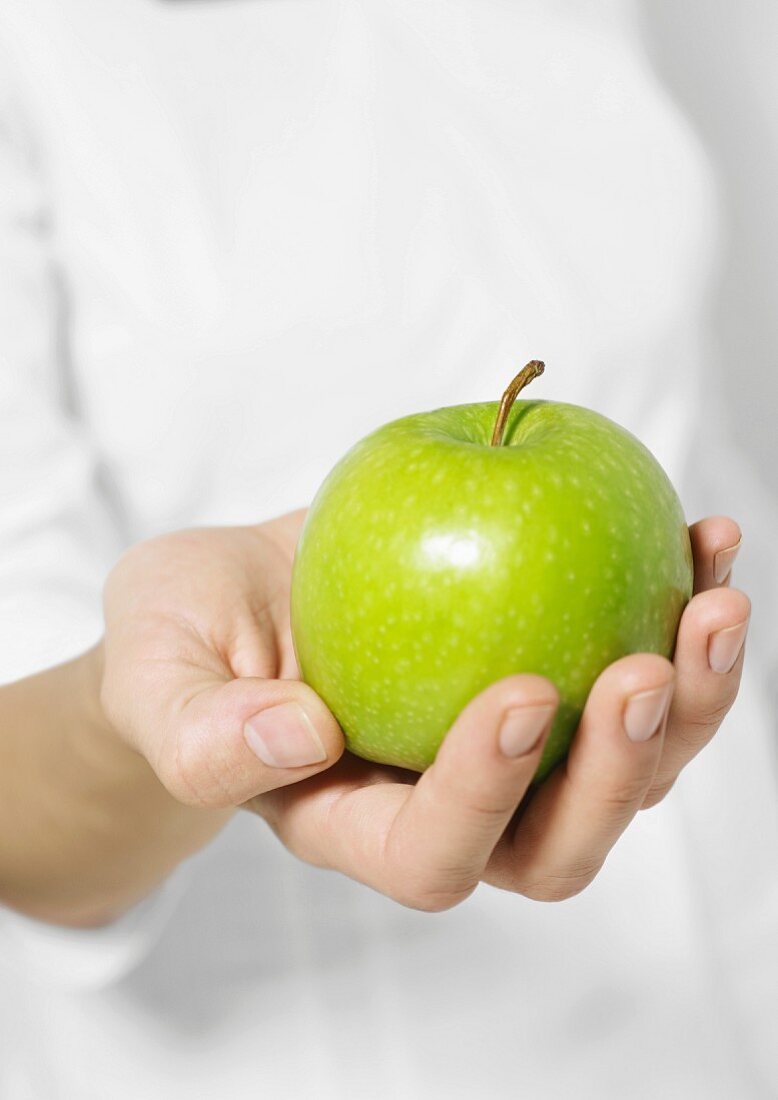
[134,756]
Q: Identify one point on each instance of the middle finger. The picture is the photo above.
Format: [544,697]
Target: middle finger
[575,817]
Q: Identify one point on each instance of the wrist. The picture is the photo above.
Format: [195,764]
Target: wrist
[95,741]
[90,829]
[138,831]
[125,777]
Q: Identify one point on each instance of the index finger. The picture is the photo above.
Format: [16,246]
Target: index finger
[445,832]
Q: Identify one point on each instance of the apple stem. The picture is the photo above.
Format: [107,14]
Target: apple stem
[526,375]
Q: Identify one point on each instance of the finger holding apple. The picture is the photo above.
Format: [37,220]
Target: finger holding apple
[423,841]
[715,543]
[463,555]
[444,834]
[427,841]
[709,651]
[571,822]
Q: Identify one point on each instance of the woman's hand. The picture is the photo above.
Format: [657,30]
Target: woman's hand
[126,760]
[427,841]
[199,671]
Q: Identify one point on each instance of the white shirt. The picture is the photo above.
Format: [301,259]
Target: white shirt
[208,211]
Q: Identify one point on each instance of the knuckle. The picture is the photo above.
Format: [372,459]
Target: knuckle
[483,805]
[190,779]
[697,724]
[431,900]
[623,799]
[562,885]
[486,816]
[657,792]
[424,884]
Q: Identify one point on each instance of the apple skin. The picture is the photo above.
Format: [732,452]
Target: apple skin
[432,564]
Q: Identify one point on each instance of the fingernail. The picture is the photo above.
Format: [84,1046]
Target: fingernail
[645,712]
[522,728]
[724,647]
[284,737]
[723,562]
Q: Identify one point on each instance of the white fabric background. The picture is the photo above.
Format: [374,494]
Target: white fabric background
[208,208]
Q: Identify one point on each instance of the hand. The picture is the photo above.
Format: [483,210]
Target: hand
[199,672]
[127,759]
[427,841]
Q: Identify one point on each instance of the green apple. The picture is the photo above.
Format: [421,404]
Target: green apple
[452,548]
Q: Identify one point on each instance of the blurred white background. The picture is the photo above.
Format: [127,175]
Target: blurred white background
[718,59]
[348,963]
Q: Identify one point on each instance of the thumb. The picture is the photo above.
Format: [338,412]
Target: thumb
[239,738]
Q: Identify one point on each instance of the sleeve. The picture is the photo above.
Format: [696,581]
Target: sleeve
[90,958]
[57,537]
